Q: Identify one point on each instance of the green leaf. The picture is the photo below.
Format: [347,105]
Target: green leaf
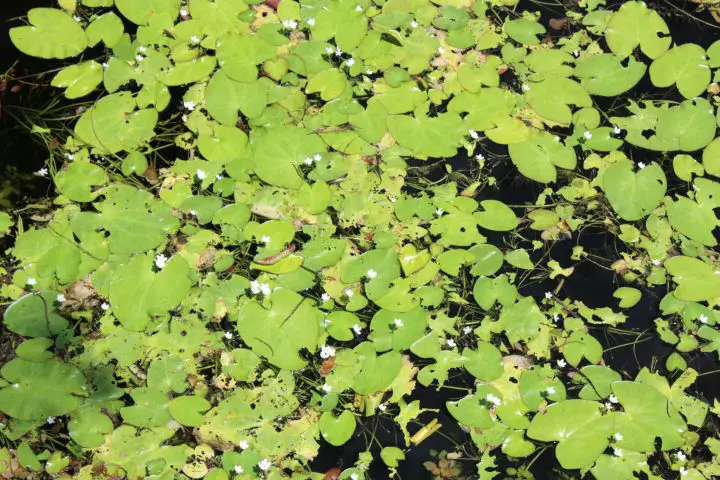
[88,427]
[107,27]
[636,25]
[39,390]
[551,98]
[113,125]
[538,156]
[582,433]
[239,55]
[337,430]
[136,294]
[35,315]
[524,30]
[711,158]
[136,222]
[634,195]
[484,363]
[77,180]
[606,75]
[684,65]
[428,137]
[697,280]
[225,97]
[647,415]
[52,33]
[278,333]
[188,410]
[472,410]
[279,152]
[143,12]
[79,80]
[496,216]
[628,296]
[135,162]
[693,220]
[391,456]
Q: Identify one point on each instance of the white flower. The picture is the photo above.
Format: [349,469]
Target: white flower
[43,172]
[193,213]
[139,58]
[561,363]
[616,130]
[681,456]
[467,330]
[69,156]
[613,398]
[683,471]
[548,295]
[338,51]
[142,49]
[398,323]
[189,105]
[60,298]
[105,306]
[371,273]
[550,390]
[31,281]
[358,8]
[657,263]
[608,405]
[317,157]
[480,157]
[441,50]
[413,24]
[265,239]
[439,212]
[357,329]
[243,444]
[349,293]
[326,388]
[495,400]
[195,39]
[556,317]
[350,62]
[104,65]
[354,476]
[264,464]
[369,71]
[473,134]
[587,134]
[183,12]
[77,18]
[200,174]
[557,138]
[525,87]
[265,289]
[617,452]
[291,24]
[382,407]
[641,165]
[219,176]
[324,297]
[238,469]
[160,261]
[50,420]
[310,21]
[228,335]
[326,351]
[618,436]
[329,50]
[703,318]
[576,53]
[255,287]
[450,343]
[308,161]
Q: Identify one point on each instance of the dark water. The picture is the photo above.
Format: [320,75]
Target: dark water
[589,283]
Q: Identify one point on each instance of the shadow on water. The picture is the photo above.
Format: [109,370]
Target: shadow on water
[590,283]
